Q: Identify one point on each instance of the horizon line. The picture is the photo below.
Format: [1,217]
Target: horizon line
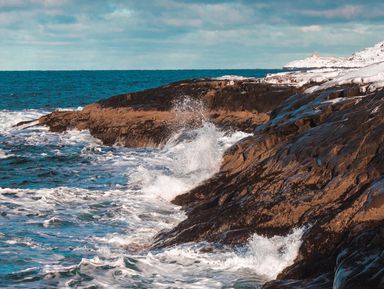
[167,69]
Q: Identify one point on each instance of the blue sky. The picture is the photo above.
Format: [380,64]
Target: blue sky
[177,34]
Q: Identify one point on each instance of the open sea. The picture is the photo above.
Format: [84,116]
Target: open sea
[77,214]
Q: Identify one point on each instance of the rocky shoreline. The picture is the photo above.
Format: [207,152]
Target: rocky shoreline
[318,162]
[315,160]
[150,117]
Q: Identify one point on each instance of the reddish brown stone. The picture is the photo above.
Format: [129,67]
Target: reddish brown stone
[149,118]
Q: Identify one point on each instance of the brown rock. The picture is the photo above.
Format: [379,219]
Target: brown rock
[148,118]
[316,162]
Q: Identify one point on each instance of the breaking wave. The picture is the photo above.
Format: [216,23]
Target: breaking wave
[89,219]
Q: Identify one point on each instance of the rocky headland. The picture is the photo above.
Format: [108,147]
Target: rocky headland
[150,117]
[315,160]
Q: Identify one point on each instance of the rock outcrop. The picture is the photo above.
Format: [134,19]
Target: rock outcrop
[149,118]
[315,160]
[318,162]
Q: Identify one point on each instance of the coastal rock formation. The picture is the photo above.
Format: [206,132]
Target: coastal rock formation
[149,118]
[315,160]
[317,163]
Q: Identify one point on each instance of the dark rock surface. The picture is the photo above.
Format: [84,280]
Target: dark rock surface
[148,118]
[318,161]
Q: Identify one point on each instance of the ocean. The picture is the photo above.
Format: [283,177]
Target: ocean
[77,214]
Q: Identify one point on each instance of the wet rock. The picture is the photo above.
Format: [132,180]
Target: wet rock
[357,263]
[150,117]
[317,162]
[314,160]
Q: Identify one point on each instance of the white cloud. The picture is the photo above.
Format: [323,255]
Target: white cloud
[311,28]
[174,34]
[119,14]
[347,11]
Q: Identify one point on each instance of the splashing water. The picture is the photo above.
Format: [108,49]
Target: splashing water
[190,157]
[77,214]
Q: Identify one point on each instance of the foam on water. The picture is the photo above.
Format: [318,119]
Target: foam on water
[190,157]
[263,256]
[3,154]
[9,118]
[93,226]
[189,265]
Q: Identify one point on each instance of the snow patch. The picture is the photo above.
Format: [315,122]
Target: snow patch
[301,78]
[233,77]
[372,75]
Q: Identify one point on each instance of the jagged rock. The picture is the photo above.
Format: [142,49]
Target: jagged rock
[318,161]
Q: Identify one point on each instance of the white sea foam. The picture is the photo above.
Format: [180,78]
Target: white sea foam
[3,154]
[264,256]
[188,266]
[189,158]
[121,259]
[42,136]
[9,118]
[272,255]
[190,161]
[70,108]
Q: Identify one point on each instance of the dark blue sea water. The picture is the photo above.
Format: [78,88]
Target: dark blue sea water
[52,89]
[77,214]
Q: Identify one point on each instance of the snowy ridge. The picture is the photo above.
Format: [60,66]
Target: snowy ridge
[316,61]
[361,58]
[365,68]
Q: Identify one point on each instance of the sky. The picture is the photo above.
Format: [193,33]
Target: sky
[180,34]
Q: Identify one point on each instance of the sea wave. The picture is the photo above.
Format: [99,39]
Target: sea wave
[9,118]
[100,235]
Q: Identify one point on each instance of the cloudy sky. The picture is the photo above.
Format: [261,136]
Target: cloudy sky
[178,34]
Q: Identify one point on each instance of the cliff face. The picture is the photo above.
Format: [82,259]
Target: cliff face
[148,118]
[315,160]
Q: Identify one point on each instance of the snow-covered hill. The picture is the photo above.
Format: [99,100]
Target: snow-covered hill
[362,58]
[365,68]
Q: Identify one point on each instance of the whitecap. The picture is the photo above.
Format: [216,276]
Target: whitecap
[9,118]
[190,266]
[3,154]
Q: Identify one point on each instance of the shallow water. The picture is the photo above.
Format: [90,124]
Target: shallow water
[77,214]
